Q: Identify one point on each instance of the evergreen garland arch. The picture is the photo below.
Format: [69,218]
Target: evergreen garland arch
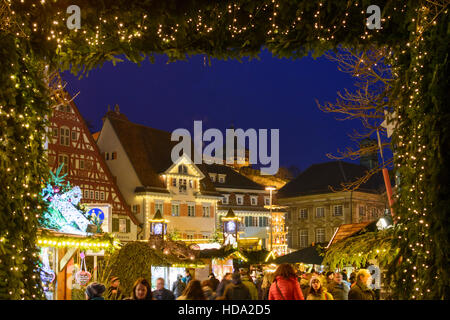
[35,41]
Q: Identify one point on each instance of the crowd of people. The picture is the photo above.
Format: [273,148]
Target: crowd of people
[284,284]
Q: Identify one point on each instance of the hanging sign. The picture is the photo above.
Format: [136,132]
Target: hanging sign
[82,277]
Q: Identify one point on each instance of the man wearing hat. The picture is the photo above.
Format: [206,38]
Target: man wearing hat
[94,291]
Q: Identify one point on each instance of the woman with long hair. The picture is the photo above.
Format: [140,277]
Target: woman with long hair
[316,290]
[193,291]
[141,290]
[266,283]
[285,285]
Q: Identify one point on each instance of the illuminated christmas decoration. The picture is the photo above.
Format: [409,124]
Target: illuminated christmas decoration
[230,229]
[64,212]
[82,277]
[158,225]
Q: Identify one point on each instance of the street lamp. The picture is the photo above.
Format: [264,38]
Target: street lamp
[270,189]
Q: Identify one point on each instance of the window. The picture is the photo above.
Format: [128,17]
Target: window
[174,182]
[303,213]
[362,211]
[113,155]
[81,164]
[254,200]
[91,194]
[102,195]
[190,236]
[239,199]
[206,211]
[374,212]
[68,109]
[74,135]
[205,236]
[221,178]
[55,132]
[288,215]
[175,210]
[320,235]
[182,169]
[96,195]
[266,222]
[182,185]
[337,210]
[267,201]
[64,160]
[86,194]
[191,184]
[124,225]
[213,177]
[225,199]
[159,206]
[303,238]
[320,212]
[136,208]
[191,210]
[64,136]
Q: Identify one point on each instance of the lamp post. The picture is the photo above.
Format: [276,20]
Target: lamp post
[270,189]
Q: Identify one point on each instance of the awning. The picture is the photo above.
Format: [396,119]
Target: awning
[308,255]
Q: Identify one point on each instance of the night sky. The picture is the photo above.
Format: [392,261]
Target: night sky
[267,93]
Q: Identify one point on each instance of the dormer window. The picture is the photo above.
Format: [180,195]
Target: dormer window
[254,200]
[225,199]
[182,169]
[213,177]
[240,199]
[222,178]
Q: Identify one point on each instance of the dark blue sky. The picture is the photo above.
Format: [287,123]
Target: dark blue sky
[269,93]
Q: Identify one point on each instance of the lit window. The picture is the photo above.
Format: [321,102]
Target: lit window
[206,211]
[159,206]
[175,210]
[191,210]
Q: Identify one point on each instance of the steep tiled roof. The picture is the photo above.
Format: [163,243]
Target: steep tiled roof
[319,178]
[233,179]
[346,230]
[149,151]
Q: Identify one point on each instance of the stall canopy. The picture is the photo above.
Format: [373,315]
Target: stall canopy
[309,255]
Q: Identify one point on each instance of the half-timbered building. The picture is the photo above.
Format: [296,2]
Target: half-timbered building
[71,144]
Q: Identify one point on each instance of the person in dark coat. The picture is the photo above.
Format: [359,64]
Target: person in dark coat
[207,290]
[94,291]
[162,293]
[213,281]
[236,290]
[178,286]
[360,290]
[223,284]
[338,288]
